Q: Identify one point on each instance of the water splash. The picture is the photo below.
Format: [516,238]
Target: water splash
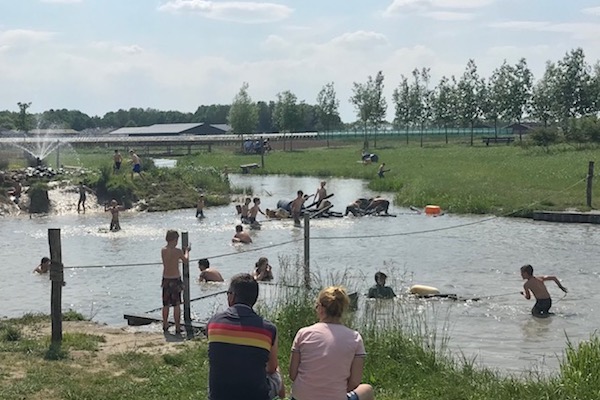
[38,147]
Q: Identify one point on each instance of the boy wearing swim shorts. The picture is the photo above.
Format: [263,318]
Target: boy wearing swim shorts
[535,285]
[172,285]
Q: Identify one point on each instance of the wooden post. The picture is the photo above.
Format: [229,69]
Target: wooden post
[590,178]
[187,314]
[262,153]
[306,250]
[57,279]
[57,154]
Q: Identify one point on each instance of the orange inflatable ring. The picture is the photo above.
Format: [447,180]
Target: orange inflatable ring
[433,210]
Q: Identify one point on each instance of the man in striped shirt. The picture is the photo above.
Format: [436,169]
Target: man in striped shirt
[242,348]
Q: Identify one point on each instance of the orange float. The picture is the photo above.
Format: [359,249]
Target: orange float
[433,210]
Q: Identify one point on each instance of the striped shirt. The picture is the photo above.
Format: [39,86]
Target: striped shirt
[239,343]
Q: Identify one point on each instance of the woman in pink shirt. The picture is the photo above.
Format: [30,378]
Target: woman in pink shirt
[328,357]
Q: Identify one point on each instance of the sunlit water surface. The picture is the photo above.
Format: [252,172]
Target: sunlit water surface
[479,259]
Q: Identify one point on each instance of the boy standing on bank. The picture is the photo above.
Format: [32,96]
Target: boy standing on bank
[535,285]
[172,285]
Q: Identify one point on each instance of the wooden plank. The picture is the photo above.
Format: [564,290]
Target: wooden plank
[147,319]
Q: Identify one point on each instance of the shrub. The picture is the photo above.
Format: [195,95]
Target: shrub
[544,136]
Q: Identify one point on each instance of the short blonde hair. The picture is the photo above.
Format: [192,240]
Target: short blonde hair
[334,300]
[172,235]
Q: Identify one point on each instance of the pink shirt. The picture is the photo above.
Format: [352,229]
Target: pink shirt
[326,354]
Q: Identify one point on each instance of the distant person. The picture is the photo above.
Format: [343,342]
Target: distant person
[380,291]
[172,285]
[253,212]
[208,274]
[321,194]
[327,357]
[137,164]
[245,211]
[16,191]
[43,267]
[200,207]
[262,270]
[114,209]
[242,348]
[296,206]
[117,160]
[382,170]
[82,189]
[535,285]
[378,205]
[241,236]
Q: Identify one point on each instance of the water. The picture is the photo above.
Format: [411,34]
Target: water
[479,259]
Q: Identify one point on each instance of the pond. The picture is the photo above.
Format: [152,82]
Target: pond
[471,256]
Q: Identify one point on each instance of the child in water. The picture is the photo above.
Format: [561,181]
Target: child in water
[114,209]
[535,285]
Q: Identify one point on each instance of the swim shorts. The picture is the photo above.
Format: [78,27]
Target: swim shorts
[117,165]
[137,168]
[171,291]
[541,307]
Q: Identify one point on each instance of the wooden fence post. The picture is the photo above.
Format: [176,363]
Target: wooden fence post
[57,279]
[307,250]
[590,178]
[187,314]
[262,153]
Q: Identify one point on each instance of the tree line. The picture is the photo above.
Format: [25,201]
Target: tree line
[568,91]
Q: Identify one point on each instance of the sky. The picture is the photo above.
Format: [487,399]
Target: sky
[98,56]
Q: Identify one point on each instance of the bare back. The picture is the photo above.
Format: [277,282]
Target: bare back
[537,287]
[297,204]
[170,258]
[211,275]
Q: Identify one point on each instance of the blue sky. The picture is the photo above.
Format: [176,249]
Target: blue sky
[101,55]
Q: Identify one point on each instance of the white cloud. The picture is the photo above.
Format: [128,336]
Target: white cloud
[236,11]
[461,4]
[131,49]
[591,11]
[23,38]
[360,40]
[577,30]
[449,16]
[61,1]
[436,9]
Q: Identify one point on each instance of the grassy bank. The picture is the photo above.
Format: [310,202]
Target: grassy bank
[496,179]
[401,364]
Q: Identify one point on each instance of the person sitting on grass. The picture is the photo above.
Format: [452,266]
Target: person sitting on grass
[327,357]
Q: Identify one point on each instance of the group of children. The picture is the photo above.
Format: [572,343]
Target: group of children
[534,286]
[172,284]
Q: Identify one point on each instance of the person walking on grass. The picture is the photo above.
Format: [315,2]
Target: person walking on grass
[382,170]
[117,160]
[137,164]
[171,284]
[535,285]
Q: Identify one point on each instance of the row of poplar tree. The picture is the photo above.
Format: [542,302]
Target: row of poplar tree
[569,89]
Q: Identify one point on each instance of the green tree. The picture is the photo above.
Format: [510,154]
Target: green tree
[519,93]
[327,108]
[443,103]
[23,121]
[369,103]
[543,102]
[469,92]
[401,99]
[243,114]
[285,113]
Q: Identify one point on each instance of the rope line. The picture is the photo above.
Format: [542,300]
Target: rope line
[191,260]
[338,237]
